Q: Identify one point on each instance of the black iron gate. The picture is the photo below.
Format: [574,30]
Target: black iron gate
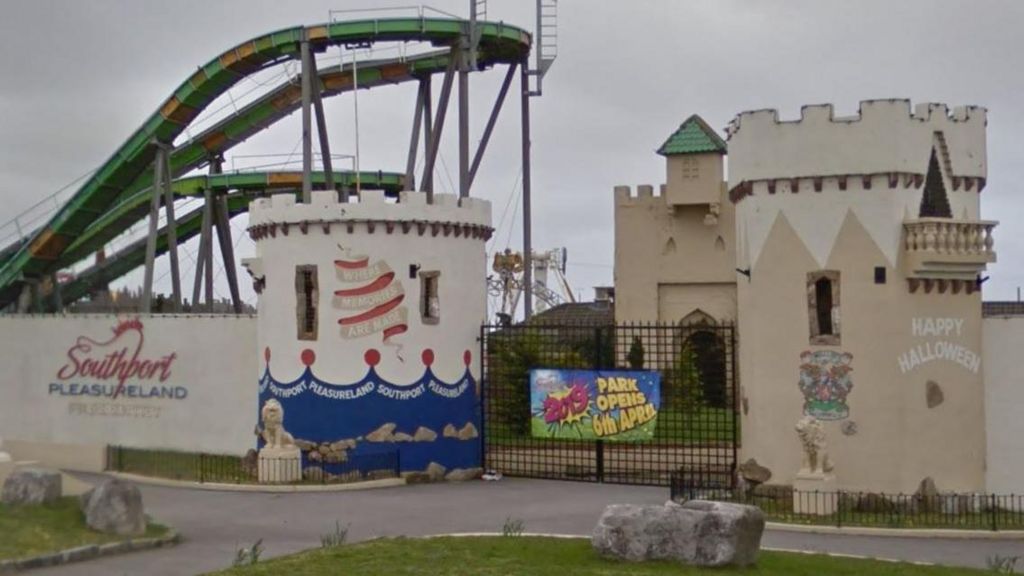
[697,428]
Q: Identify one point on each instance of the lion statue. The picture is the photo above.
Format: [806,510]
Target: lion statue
[274,433]
[812,438]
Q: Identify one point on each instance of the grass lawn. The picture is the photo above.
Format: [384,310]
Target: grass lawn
[501,556]
[33,530]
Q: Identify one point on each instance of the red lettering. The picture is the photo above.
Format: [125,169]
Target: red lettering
[89,358]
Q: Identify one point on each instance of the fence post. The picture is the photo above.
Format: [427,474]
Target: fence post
[202,467]
[599,364]
[992,509]
[839,508]
[482,402]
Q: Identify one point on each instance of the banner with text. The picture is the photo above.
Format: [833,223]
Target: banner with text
[616,405]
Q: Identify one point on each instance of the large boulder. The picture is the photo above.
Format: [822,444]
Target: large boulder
[31,486]
[698,533]
[114,507]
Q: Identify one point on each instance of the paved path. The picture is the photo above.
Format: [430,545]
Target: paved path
[215,524]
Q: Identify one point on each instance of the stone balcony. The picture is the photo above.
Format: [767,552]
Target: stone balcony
[947,249]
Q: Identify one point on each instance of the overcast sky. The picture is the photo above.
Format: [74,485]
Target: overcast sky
[77,78]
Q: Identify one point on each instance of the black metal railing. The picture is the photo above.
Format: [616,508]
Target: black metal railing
[970,511]
[697,428]
[230,469]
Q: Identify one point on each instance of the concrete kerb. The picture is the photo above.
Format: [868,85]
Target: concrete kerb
[88,552]
[580,537]
[267,488]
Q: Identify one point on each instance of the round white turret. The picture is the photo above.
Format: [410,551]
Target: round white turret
[369,314]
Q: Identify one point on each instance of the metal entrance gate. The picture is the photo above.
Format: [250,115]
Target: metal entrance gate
[697,429]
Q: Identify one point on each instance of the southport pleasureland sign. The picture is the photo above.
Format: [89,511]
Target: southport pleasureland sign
[118,367]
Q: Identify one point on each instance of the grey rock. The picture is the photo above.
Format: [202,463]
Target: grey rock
[401,437]
[754,473]
[468,432]
[424,434]
[342,445]
[336,457]
[699,533]
[305,445]
[416,477]
[873,503]
[31,486]
[382,434]
[435,471]
[315,456]
[115,507]
[463,474]
[933,394]
[379,474]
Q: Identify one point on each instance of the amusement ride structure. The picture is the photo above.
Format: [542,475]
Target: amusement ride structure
[160,163]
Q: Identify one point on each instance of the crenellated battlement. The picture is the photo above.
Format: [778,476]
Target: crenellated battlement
[643,193]
[885,136]
[448,212]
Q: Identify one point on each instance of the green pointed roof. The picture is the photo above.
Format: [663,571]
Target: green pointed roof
[694,136]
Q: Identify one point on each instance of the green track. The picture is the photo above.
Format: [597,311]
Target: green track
[109,202]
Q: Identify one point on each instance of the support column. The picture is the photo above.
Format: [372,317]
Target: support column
[172,231]
[491,121]
[414,140]
[204,262]
[307,142]
[438,127]
[154,207]
[527,233]
[428,129]
[464,117]
[227,251]
[321,126]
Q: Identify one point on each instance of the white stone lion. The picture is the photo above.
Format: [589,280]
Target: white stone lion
[274,433]
[812,439]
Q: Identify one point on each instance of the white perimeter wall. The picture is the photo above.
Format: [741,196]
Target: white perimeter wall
[214,363]
[1003,339]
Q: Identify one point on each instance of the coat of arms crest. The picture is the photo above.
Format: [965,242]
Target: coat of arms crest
[825,383]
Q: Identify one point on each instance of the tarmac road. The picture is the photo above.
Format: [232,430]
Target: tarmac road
[215,524]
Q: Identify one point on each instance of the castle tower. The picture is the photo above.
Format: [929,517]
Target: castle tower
[863,243]
[369,314]
[675,252]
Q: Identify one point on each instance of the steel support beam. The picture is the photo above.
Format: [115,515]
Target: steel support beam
[428,129]
[464,117]
[204,262]
[527,238]
[227,250]
[321,127]
[438,127]
[307,141]
[491,122]
[154,208]
[414,141]
[172,230]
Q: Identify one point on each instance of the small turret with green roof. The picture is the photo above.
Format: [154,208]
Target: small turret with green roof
[694,136]
[694,167]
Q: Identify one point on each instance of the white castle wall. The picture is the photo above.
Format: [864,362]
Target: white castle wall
[1004,403]
[885,136]
[205,398]
[460,259]
[820,167]
[825,193]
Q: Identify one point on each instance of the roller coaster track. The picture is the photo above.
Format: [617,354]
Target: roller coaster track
[107,204]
